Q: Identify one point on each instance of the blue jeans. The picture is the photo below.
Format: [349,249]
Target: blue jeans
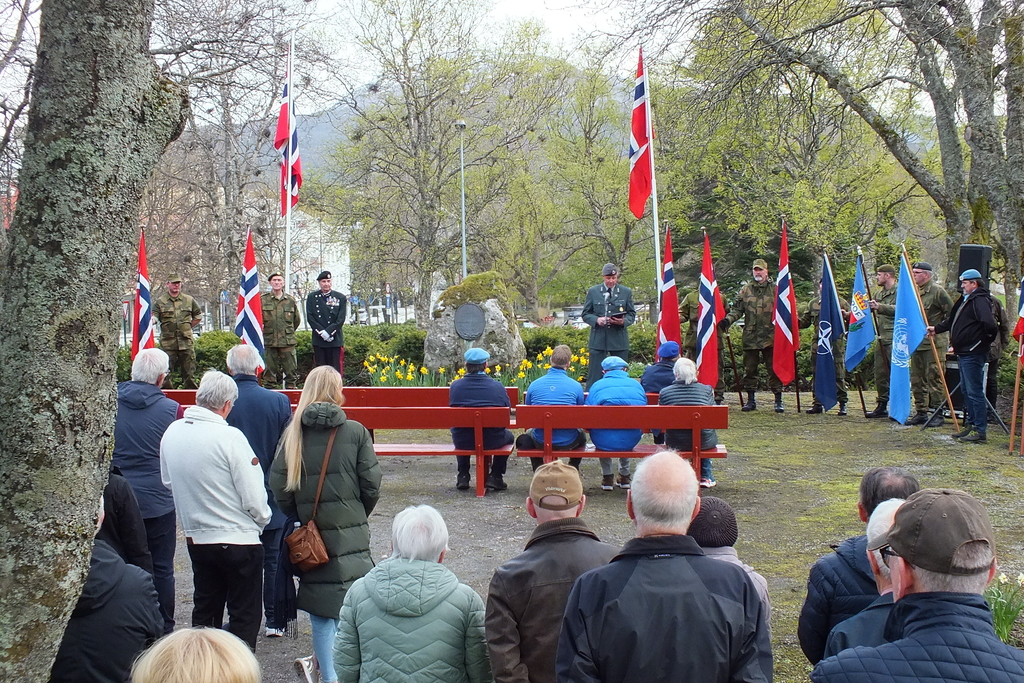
[323,646]
[972,381]
[271,540]
[161,537]
[705,469]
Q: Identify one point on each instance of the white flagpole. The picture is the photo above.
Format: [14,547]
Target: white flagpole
[287,189]
[660,267]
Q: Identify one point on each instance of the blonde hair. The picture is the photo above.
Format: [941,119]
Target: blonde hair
[197,655]
[323,385]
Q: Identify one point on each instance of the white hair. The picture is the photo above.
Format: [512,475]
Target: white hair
[878,526]
[216,389]
[973,555]
[243,359]
[664,493]
[419,533]
[685,371]
[149,364]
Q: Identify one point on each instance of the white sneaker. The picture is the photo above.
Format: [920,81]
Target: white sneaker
[708,483]
[307,669]
[274,632]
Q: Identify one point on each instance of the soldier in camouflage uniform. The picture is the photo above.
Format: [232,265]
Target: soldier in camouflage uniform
[178,313]
[884,306]
[755,304]
[280,320]
[809,318]
[925,377]
[688,311]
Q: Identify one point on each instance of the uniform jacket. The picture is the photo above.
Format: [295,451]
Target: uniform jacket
[115,619]
[937,305]
[755,304]
[176,315]
[123,528]
[864,629]
[616,388]
[944,637]
[351,489]
[810,316]
[411,620]
[327,312]
[1003,337]
[478,390]
[143,415]
[971,325]
[695,394]
[527,598]
[689,310]
[840,585]
[280,320]
[620,300]
[215,478]
[555,388]
[262,415]
[663,611]
[885,314]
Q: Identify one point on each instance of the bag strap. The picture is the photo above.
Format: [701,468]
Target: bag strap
[323,470]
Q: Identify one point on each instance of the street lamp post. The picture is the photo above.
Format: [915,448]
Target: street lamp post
[461,125]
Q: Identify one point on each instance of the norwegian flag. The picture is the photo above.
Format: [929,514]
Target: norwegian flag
[249,319]
[143,332]
[710,313]
[668,314]
[641,169]
[787,334]
[1018,330]
[286,141]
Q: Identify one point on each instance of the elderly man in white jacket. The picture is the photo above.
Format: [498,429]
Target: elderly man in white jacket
[217,484]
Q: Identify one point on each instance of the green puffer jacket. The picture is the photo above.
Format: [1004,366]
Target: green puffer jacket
[351,489]
[411,620]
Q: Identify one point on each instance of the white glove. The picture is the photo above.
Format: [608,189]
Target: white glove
[325,336]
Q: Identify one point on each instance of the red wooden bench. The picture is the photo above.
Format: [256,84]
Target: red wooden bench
[646,417]
[398,397]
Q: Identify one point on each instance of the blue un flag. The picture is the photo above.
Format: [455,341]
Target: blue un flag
[830,331]
[908,331]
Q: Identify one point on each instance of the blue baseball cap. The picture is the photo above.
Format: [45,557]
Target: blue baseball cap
[669,349]
[613,363]
[970,274]
[476,355]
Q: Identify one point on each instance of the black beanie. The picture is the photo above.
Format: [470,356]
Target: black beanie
[715,524]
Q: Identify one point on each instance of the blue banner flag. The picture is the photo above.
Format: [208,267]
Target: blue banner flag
[862,327]
[908,331]
[830,331]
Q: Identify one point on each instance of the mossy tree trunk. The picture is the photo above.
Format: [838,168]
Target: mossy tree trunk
[100,117]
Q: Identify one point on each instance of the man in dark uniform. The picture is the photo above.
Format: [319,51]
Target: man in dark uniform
[178,313]
[608,310]
[325,311]
[884,306]
[280,320]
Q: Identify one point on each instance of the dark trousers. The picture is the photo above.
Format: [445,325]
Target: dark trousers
[330,355]
[525,441]
[161,537]
[271,540]
[498,462]
[972,383]
[232,576]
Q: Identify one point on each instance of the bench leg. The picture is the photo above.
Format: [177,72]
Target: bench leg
[481,475]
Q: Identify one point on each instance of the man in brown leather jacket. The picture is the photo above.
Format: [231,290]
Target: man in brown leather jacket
[528,593]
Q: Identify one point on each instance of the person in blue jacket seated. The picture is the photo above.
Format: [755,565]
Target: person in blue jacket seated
[615,388]
[479,390]
[555,388]
[659,375]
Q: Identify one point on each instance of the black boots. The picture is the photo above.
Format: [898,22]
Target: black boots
[881,410]
[779,408]
[751,403]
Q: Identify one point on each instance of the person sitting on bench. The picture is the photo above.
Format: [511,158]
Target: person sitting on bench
[555,388]
[479,390]
[616,388]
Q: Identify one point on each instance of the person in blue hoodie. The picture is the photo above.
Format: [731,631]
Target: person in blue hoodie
[556,388]
[615,388]
[143,415]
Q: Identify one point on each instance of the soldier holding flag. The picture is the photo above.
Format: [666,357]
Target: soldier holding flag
[811,317]
[883,305]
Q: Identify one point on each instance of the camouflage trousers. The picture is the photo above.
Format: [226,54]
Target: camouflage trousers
[883,357]
[925,377]
[752,359]
[691,353]
[184,360]
[281,365]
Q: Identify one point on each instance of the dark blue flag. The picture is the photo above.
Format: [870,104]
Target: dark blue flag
[830,331]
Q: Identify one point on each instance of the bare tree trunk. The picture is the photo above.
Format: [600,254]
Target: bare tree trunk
[99,120]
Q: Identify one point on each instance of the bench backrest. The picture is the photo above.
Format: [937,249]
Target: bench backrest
[399,397]
[622,417]
[377,417]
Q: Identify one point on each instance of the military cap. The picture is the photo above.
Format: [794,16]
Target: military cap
[886,268]
[273,275]
[922,265]
[609,269]
[971,274]
[324,275]
[669,349]
[476,356]
[613,363]
[174,277]
[761,263]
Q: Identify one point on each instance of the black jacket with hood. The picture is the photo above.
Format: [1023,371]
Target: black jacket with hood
[971,325]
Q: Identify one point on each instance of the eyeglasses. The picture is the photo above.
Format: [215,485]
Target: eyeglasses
[886,552]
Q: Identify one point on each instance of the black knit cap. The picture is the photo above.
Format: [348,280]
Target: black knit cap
[715,524]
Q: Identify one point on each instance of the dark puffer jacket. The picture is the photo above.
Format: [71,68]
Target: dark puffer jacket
[840,585]
[350,492]
[944,637]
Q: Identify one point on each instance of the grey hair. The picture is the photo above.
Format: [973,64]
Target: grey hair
[243,359]
[149,364]
[879,525]
[419,533]
[685,371]
[216,389]
[664,493]
[976,555]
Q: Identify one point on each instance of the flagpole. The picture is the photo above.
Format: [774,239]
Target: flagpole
[288,178]
[654,185]
[1016,397]
[935,350]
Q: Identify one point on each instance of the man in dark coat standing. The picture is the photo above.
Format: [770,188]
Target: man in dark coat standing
[841,583]
[609,311]
[262,415]
[325,311]
[942,555]
[143,415]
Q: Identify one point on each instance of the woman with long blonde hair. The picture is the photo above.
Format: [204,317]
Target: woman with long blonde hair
[350,491]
